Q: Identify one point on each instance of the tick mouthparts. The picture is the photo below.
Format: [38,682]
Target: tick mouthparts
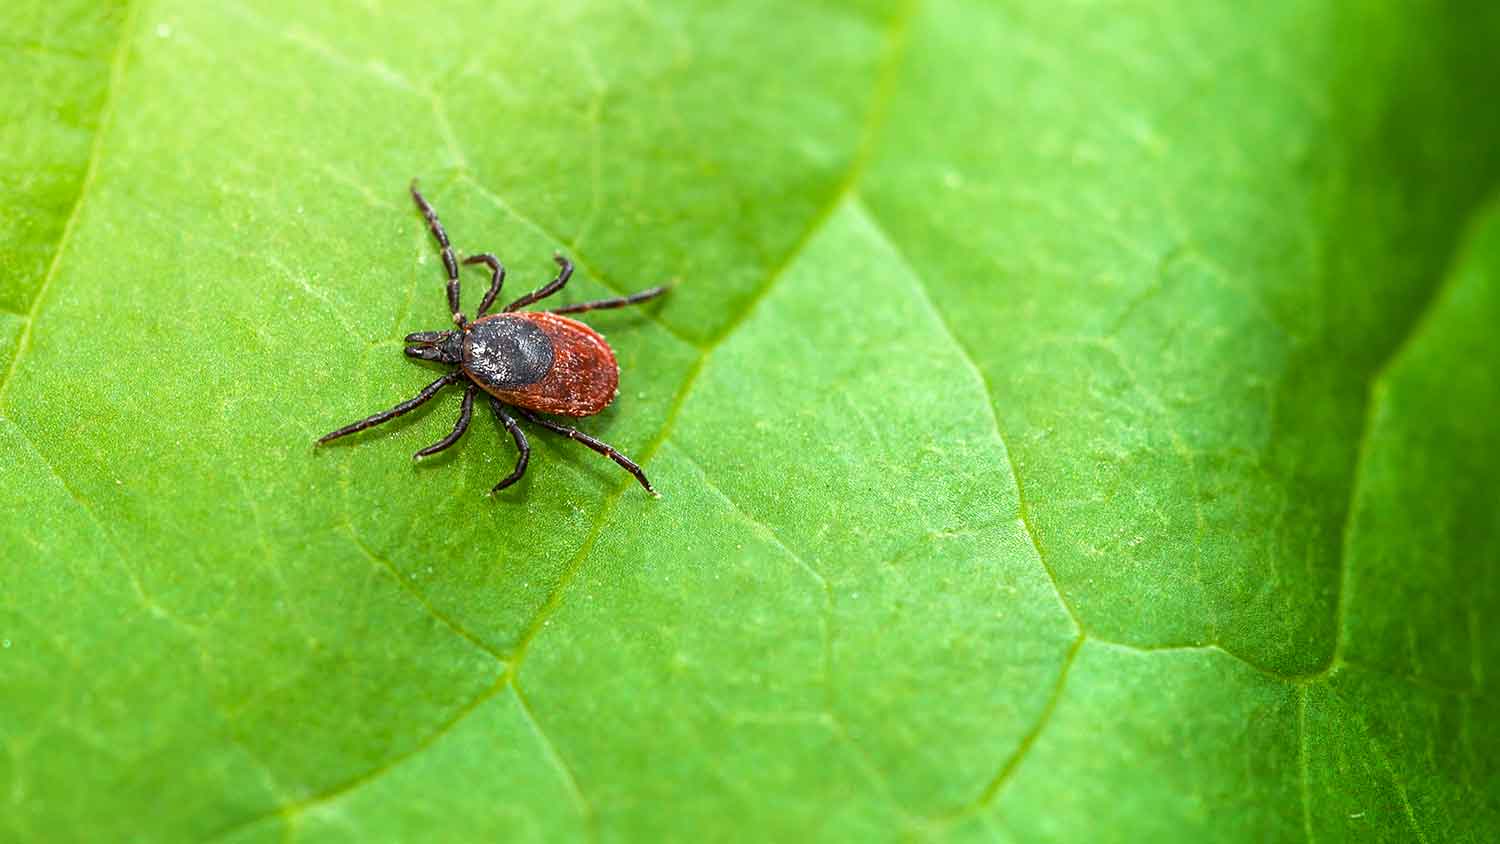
[442,346]
[424,345]
[426,351]
[425,338]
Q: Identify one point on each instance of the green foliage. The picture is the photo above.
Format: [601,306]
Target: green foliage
[1077,422]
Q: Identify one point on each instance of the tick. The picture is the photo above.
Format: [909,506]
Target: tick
[531,362]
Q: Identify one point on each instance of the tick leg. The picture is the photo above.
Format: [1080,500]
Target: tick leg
[497,279]
[597,445]
[387,415]
[617,302]
[464,414]
[521,445]
[556,284]
[448,262]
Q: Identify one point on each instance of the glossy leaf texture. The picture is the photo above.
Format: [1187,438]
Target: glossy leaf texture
[1076,422]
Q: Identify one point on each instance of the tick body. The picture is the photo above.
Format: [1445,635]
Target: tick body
[528,361]
[541,361]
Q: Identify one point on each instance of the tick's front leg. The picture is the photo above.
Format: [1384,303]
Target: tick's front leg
[564,272]
[449,263]
[497,278]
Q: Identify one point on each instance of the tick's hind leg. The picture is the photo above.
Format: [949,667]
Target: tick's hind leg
[464,414]
[521,445]
[616,302]
[597,445]
[497,278]
[449,263]
[564,273]
[387,415]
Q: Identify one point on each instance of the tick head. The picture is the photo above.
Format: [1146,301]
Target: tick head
[441,346]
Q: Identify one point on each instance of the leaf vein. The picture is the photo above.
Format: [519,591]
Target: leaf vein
[989,403]
[457,629]
[1302,761]
[833,720]
[288,811]
[1373,406]
[309,43]
[1008,770]
[90,173]
[142,597]
[570,780]
[826,620]
[1406,807]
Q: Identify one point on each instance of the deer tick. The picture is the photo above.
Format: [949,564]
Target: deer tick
[530,361]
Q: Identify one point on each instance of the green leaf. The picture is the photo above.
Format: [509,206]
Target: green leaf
[1076,423]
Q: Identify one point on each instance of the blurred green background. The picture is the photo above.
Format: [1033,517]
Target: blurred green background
[1076,422]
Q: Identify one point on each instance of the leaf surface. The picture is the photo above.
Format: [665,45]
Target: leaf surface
[1075,423]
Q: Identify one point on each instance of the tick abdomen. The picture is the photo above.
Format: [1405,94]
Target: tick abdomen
[543,362]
